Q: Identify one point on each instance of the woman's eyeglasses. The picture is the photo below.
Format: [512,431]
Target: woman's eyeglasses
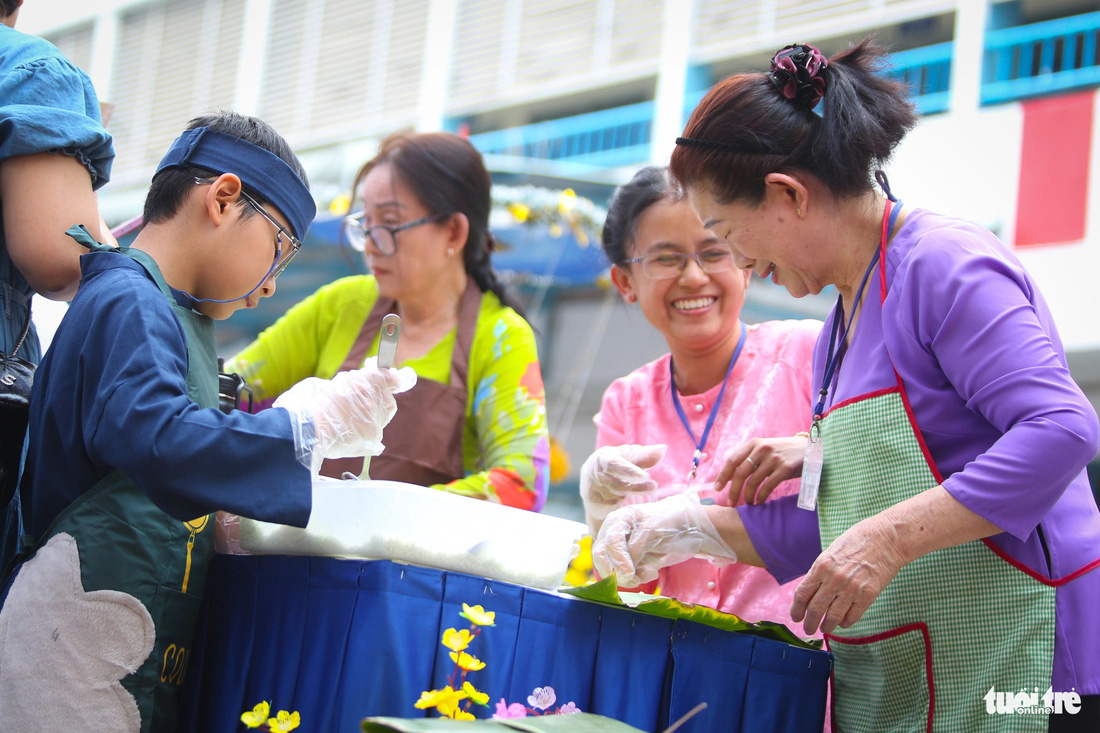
[356,230]
[670,263]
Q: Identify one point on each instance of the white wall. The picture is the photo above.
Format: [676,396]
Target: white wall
[969,166]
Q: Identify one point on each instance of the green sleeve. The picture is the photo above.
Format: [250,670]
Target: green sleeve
[506,445]
[310,340]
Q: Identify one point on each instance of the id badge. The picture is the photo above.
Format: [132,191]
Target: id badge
[812,462]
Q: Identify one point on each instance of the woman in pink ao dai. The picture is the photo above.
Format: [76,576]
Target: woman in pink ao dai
[746,381]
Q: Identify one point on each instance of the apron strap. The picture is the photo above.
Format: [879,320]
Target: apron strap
[84,238]
[464,333]
[468,312]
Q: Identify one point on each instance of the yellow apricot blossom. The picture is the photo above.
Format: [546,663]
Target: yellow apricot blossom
[481,698]
[257,716]
[446,700]
[478,615]
[284,721]
[519,211]
[457,640]
[467,662]
[568,200]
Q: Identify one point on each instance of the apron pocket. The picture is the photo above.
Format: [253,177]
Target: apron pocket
[156,684]
[883,682]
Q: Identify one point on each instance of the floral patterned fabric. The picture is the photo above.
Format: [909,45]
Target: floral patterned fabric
[505,443]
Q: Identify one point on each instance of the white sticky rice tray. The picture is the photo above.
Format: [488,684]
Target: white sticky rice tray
[413,524]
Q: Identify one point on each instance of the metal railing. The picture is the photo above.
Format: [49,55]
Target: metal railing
[1020,62]
[927,73]
[607,138]
[1041,58]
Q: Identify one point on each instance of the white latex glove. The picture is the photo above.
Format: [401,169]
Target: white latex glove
[343,416]
[613,472]
[638,540]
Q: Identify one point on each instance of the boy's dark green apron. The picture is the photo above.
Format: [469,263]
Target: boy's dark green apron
[128,544]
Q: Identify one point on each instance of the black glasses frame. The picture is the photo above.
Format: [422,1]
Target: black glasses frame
[355,223]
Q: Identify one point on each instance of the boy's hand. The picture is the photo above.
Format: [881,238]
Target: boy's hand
[344,416]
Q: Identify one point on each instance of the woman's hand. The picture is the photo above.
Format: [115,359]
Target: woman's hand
[847,577]
[636,541]
[613,472]
[755,468]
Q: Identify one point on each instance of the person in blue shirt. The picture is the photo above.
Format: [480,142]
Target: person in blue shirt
[53,148]
[129,455]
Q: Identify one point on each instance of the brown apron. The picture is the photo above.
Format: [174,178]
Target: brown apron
[424,439]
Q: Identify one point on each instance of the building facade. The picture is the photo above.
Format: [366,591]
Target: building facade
[582,92]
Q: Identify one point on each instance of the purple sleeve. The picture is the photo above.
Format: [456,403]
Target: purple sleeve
[785,537]
[977,313]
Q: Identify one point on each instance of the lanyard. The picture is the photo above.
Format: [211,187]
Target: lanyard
[700,444]
[836,352]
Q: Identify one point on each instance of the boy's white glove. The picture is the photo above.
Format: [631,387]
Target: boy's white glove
[638,540]
[343,416]
[613,472]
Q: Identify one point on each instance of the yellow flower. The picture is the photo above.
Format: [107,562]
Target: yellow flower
[478,615]
[445,699]
[467,662]
[559,461]
[457,640]
[580,569]
[481,698]
[448,703]
[284,721]
[257,716]
[340,205]
[429,699]
[519,211]
[462,715]
[555,230]
[568,200]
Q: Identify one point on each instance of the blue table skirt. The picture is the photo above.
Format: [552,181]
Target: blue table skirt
[339,640]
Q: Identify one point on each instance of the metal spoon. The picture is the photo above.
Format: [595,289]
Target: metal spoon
[387,340]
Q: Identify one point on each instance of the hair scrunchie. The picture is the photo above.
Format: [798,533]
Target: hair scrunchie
[798,72]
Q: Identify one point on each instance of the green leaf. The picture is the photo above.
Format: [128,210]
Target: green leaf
[602,591]
[605,591]
[419,725]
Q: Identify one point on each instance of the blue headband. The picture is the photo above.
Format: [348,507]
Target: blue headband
[265,173]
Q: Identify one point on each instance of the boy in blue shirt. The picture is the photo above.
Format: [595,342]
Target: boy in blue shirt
[129,456]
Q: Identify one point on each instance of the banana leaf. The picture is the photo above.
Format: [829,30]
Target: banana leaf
[574,723]
[606,591]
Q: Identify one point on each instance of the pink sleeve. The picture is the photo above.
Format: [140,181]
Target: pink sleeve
[610,428]
[801,358]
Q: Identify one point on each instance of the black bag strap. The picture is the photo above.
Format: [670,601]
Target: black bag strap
[26,330]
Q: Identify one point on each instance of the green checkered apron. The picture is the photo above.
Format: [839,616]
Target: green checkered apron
[952,624]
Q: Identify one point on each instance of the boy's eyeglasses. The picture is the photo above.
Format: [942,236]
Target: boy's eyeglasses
[357,231]
[668,264]
[279,263]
